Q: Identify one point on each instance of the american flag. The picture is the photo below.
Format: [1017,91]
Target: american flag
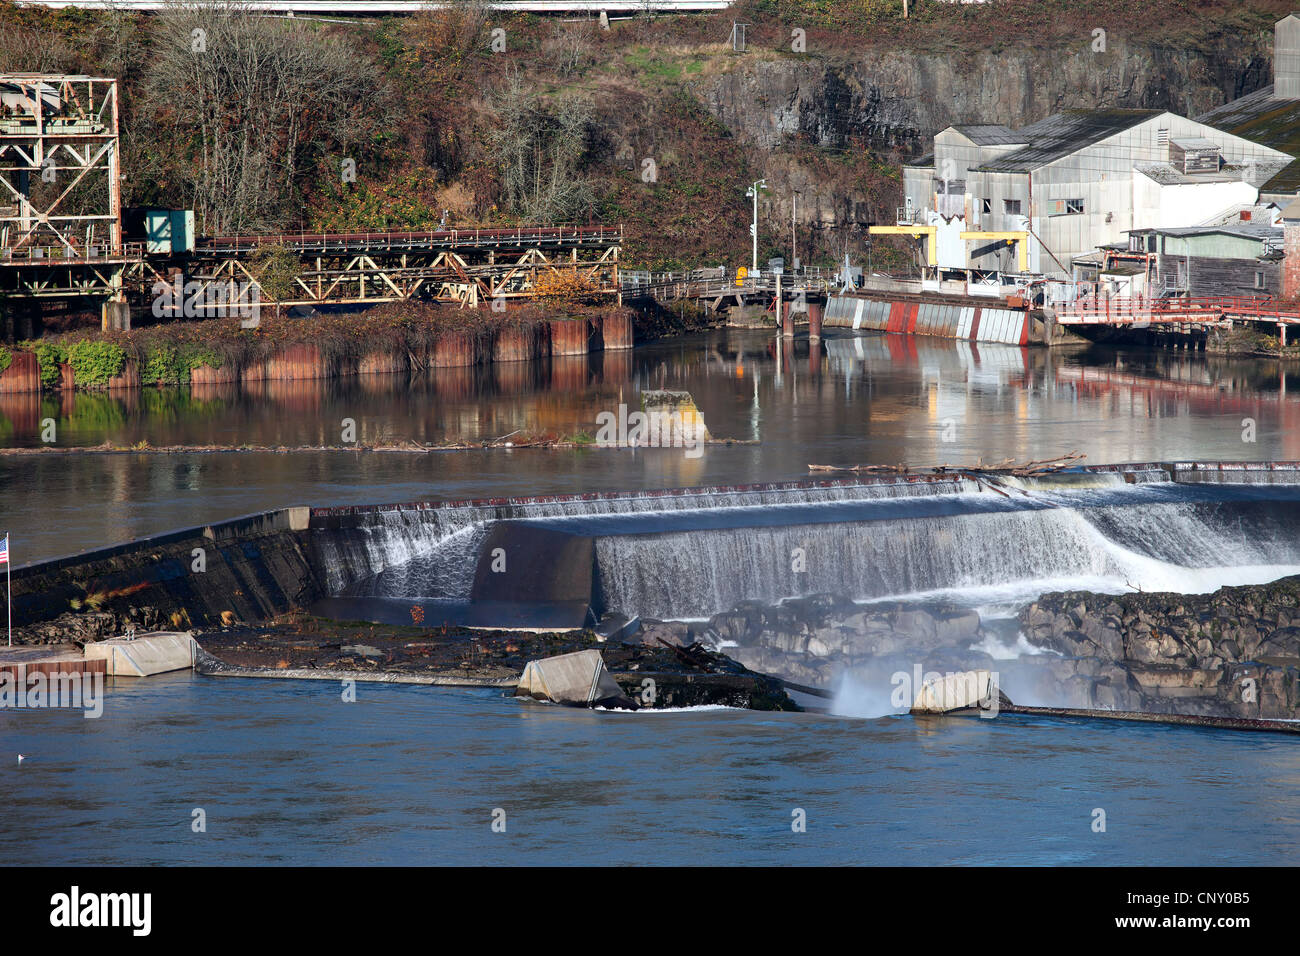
[4,550]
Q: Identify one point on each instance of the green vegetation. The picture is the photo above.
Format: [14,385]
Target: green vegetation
[167,363]
[50,355]
[94,363]
[6,357]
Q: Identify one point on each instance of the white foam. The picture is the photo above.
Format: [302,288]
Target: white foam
[999,650]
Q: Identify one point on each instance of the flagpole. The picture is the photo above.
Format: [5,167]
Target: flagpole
[9,591]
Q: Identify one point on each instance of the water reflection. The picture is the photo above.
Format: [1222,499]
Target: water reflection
[853,399]
[925,401]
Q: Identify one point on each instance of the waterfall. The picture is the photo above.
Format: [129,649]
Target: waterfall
[691,553]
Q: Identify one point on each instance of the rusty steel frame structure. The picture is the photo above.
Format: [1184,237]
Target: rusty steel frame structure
[62,130]
[464,266]
[51,126]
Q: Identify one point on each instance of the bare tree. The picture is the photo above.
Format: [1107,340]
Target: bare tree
[26,50]
[539,149]
[568,46]
[254,101]
[443,40]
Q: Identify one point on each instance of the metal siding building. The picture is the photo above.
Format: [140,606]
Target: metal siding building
[1070,181]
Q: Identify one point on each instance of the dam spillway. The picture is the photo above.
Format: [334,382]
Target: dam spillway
[692,552]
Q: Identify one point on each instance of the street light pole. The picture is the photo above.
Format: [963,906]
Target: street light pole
[753,227]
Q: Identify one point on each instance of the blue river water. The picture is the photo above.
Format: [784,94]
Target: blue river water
[286,772]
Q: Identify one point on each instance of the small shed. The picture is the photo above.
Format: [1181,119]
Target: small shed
[1191,156]
[169,230]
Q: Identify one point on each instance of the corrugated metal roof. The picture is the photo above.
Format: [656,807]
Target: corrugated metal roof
[1168,175]
[1064,133]
[991,134]
[1259,213]
[1245,230]
[926,160]
[1270,122]
[1196,143]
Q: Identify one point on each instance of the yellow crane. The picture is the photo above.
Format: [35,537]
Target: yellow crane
[931,253]
[1020,239]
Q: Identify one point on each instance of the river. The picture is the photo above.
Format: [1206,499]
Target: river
[286,772]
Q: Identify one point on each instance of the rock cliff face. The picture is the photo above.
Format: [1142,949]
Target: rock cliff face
[900,99]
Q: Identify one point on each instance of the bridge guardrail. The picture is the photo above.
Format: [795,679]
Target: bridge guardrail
[412,239]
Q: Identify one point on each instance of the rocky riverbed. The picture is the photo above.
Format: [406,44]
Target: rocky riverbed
[653,674]
[1233,653]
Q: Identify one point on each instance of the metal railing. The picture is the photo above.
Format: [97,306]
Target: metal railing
[401,240]
[1091,310]
[77,253]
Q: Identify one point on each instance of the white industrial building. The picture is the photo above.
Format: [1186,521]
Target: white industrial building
[1033,199]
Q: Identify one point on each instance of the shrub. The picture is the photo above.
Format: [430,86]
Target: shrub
[163,365]
[50,355]
[6,357]
[196,355]
[94,363]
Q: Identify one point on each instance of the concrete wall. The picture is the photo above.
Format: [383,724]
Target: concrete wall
[250,567]
[1185,204]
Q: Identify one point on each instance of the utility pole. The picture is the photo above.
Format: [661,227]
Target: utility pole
[794,248]
[753,227]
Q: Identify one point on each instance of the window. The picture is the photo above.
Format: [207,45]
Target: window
[1011,207]
[1259,280]
[1064,207]
[986,206]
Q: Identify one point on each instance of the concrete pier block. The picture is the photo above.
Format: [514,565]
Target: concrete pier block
[950,692]
[672,419]
[115,316]
[154,653]
[578,680]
